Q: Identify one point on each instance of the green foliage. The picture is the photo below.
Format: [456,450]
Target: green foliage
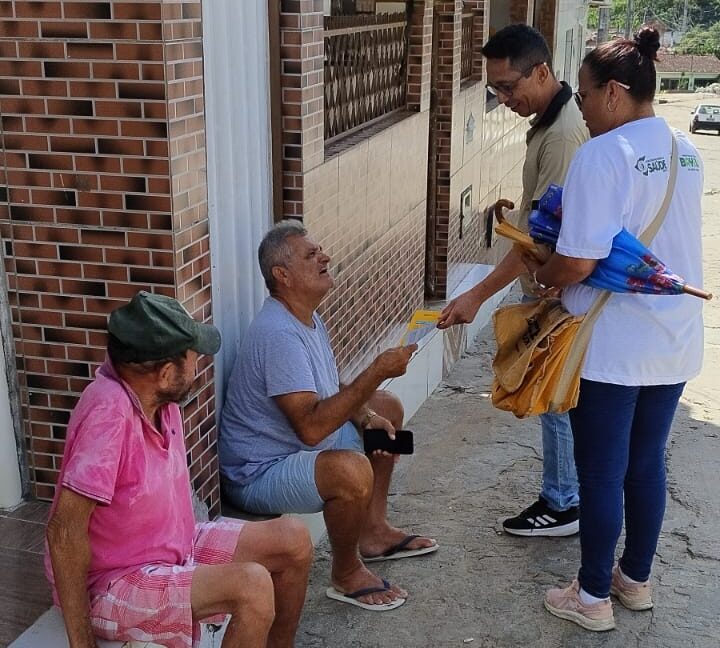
[703,21]
[701,13]
[701,40]
[592,18]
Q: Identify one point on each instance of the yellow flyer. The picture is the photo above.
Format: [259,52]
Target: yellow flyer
[421,323]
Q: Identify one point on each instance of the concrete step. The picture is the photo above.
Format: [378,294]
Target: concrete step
[49,632]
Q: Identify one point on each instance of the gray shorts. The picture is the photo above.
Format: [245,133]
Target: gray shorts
[288,486]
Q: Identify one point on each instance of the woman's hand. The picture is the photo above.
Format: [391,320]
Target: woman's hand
[531,263]
[558,270]
[540,290]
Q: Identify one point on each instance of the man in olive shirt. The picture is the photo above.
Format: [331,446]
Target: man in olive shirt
[520,75]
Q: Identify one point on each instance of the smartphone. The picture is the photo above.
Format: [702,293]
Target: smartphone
[379,440]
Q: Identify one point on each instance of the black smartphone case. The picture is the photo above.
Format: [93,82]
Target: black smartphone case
[379,440]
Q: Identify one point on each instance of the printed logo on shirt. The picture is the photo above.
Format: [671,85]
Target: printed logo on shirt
[646,167]
[690,162]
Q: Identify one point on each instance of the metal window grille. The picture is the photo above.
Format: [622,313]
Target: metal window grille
[365,69]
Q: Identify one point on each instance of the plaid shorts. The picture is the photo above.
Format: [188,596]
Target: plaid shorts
[153,603]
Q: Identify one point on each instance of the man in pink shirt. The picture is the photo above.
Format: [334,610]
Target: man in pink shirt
[125,558]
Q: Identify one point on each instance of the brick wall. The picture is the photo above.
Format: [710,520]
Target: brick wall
[103,194]
[545,21]
[465,230]
[443,213]
[366,206]
[419,55]
[302,83]
[519,11]
[472,148]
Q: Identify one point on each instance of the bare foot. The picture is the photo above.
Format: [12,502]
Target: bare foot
[377,541]
[362,578]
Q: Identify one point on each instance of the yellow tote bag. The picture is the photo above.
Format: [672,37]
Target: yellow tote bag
[541,348]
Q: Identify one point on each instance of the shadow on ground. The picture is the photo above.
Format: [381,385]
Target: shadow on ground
[474,465]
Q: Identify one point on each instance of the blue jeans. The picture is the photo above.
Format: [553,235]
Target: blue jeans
[620,436]
[560,483]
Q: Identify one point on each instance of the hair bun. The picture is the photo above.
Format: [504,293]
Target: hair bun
[647,41]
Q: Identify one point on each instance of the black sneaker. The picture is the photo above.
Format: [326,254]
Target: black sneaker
[540,520]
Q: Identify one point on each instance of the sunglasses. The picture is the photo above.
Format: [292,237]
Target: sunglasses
[580,96]
[507,89]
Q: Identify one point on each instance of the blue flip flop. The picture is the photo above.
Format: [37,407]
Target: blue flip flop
[398,551]
[352,598]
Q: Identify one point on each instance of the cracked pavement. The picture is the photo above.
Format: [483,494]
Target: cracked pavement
[474,465]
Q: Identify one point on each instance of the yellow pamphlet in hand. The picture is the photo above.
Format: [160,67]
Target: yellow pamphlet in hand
[421,323]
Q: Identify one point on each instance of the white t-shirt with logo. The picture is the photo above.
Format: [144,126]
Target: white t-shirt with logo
[618,180]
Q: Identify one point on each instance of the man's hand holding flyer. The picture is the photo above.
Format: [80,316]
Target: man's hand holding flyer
[421,323]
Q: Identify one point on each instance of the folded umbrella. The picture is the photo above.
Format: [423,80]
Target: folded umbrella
[508,230]
[630,266]
[544,227]
[546,216]
[551,201]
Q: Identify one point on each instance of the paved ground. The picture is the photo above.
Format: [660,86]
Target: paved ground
[473,465]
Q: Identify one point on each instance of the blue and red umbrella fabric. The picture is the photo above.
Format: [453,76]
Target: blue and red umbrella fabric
[630,266]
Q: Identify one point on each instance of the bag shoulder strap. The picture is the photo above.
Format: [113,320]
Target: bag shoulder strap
[582,338]
[649,234]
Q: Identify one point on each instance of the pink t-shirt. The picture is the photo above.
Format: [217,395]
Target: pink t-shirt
[137,474]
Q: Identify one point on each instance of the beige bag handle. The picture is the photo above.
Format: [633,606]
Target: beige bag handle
[582,337]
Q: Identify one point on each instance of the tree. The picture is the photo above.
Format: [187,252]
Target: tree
[701,13]
[701,40]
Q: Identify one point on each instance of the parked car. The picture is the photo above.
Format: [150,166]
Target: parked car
[705,117]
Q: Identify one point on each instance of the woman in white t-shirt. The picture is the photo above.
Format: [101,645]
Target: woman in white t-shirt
[643,347]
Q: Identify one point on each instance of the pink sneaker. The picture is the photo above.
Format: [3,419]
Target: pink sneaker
[566,604]
[634,596]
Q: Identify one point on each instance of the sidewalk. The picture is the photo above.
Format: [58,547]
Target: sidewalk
[472,466]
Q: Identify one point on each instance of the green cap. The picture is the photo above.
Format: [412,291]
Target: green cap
[156,327]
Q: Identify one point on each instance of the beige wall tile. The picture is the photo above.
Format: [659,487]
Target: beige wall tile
[408,165]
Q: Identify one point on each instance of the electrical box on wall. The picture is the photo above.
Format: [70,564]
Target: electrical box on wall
[466,209]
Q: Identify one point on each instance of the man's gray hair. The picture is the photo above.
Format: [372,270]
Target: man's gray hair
[275,250]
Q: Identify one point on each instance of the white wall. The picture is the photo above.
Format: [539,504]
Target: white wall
[237,100]
[10,487]
[10,480]
[569,52]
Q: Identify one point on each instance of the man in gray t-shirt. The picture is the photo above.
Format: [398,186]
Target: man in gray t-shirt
[280,355]
[290,434]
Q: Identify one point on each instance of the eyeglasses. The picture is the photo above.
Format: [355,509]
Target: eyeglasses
[507,89]
[580,96]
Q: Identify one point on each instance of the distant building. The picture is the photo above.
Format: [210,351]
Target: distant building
[685,71]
